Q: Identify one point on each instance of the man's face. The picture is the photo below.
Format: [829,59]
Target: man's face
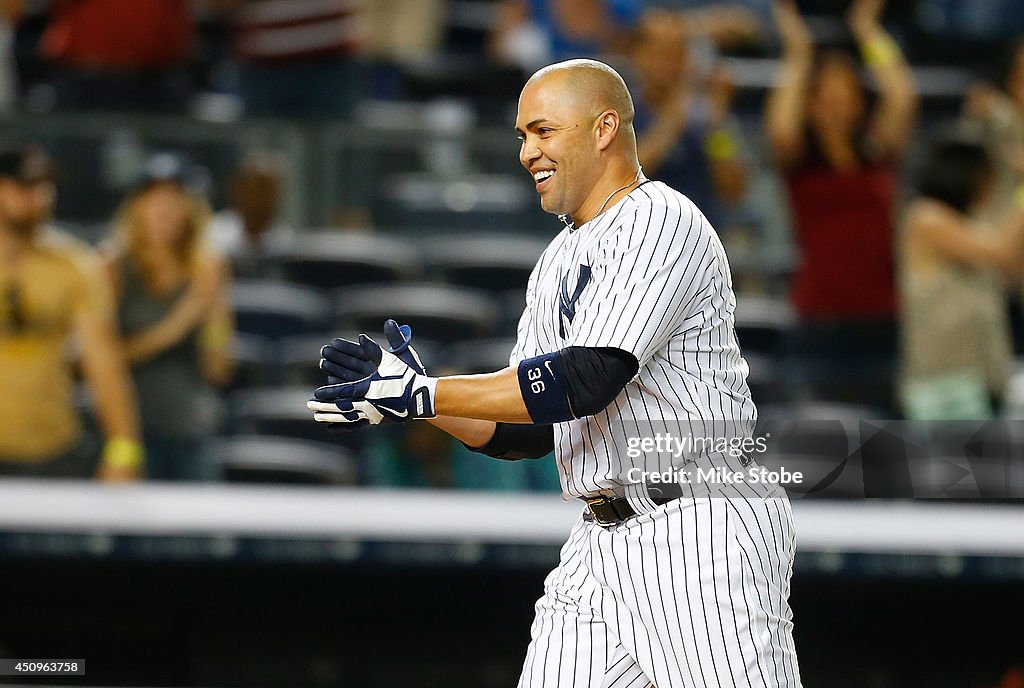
[558,145]
[661,58]
[257,196]
[25,205]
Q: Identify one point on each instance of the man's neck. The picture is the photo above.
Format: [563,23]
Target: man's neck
[12,244]
[613,186]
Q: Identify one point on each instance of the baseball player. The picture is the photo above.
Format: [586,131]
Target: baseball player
[628,330]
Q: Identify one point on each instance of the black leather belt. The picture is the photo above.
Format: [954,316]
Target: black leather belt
[611,511]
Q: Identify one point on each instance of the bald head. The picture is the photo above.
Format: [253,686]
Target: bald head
[575,121]
[590,87]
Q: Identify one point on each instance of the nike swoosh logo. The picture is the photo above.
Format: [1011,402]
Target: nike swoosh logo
[547,364]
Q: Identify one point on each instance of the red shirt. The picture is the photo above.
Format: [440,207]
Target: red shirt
[843,223]
[282,31]
[119,34]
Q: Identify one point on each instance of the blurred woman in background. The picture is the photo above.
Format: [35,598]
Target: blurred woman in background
[955,336]
[175,317]
[999,109]
[840,162]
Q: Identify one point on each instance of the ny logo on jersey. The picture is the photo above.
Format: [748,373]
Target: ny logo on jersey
[566,303]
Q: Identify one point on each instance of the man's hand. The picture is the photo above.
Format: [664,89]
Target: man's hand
[394,390]
[347,361]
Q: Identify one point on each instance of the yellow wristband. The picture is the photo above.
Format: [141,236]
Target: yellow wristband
[720,145]
[880,51]
[120,452]
[1018,197]
[215,334]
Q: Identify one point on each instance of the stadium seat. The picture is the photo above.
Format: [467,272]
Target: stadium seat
[436,312]
[494,263]
[484,356]
[836,447]
[764,324]
[299,358]
[271,309]
[279,411]
[254,362]
[846,414]
[259,459]
[813,428]
[416,202]
[765,382]
[331,258]
[512,304]
[974,459]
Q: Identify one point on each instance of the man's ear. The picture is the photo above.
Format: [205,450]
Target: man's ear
[607,128]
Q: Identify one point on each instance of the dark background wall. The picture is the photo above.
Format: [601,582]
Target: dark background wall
[234,624]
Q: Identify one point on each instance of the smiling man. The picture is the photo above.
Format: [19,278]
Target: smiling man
[627,331]
[558,117]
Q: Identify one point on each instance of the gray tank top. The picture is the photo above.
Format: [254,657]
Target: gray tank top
[174,399]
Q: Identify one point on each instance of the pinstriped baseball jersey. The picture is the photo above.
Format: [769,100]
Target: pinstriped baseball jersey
[649,276]
[692,593]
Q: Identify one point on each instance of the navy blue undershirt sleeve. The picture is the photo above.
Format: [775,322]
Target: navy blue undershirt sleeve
[592,378]
[595,376]
[512,442]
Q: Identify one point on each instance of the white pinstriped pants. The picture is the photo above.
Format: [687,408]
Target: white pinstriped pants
[692,595]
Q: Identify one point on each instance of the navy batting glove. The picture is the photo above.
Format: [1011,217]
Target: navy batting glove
[348,361]
[394,392]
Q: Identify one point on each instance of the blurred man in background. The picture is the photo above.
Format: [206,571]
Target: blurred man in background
[243,231]
[529,33]
[11,12]
[684,134]
[298,58]
[54,287]
[111,54]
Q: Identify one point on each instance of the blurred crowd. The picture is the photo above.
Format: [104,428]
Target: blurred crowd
[904,296]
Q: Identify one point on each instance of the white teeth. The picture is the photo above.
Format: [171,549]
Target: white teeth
[542,175]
